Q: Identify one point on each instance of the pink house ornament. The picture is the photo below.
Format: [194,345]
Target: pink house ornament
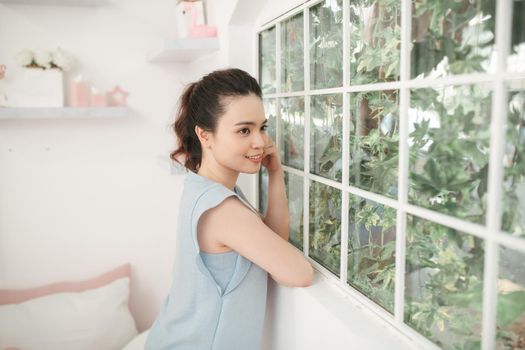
[117,97]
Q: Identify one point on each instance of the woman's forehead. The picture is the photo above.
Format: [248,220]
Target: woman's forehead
[243,108]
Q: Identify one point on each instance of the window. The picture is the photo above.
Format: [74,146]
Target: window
[401,129]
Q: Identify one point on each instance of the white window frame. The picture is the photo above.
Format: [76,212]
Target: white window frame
[491,232]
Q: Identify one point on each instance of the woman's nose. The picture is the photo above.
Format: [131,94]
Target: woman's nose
[258,140]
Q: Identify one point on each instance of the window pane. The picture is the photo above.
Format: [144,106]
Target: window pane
[325,226]
[452,37]
[292,54]
[326,45]
[374,41]
[449,149]
[294,193]
[371,250]
[326,136]
[513,219]
[267,54]
[263,190]
[444,284]
[516,60]
[511,300]
[374,138]
[271,114]
[291,143]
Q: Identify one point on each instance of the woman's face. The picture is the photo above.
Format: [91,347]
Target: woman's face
[239,139]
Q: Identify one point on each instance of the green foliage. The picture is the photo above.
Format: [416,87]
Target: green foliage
[374,141]
[326,45]
[292,57]
[448,156]
[513,220]
[371,250]
[375,35]
[292,132]
[267,72]
[325,226]
[326,130]
[444,283]
[294,193]
[449,150]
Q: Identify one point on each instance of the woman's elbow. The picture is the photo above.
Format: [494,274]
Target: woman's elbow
[306,279]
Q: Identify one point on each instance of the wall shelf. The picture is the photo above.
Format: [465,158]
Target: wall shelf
[69,3]
[63,113]
[184,50]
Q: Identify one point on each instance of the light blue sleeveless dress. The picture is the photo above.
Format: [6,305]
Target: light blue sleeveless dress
[217,301]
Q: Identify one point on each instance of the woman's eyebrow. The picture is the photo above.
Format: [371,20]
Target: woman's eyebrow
[250,123]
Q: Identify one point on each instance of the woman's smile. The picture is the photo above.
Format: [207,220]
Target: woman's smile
[255,158]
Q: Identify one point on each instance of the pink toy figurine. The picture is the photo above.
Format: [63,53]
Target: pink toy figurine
[198,30]
[2,71]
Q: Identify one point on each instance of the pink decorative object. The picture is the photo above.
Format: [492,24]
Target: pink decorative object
[3,68]
[79,93]
[17,296]
[98,99]
[117,97]
[198,30]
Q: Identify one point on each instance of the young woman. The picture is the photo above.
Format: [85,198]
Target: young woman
[225,248]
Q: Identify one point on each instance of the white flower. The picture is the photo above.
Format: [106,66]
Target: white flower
[62,59]
[43,58]
[24,57]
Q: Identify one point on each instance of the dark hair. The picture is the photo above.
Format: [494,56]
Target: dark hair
[201,104]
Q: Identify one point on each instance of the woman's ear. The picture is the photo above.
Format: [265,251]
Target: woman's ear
[203,135]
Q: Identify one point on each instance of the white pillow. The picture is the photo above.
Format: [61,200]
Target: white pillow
[139,342]
[94,319]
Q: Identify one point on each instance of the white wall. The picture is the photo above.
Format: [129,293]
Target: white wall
[78,197]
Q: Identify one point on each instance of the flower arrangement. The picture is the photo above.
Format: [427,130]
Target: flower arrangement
[44,59]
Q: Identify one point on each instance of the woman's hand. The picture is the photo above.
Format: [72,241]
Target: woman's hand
[271,159]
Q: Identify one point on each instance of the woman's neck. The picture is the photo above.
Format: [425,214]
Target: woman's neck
[223,176]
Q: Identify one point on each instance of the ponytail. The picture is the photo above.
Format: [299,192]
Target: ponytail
[189,151]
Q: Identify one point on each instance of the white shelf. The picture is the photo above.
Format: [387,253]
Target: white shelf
[72,3]
[184,50]
[62,112]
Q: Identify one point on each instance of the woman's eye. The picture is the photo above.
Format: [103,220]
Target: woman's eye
[244,131]
[264,127]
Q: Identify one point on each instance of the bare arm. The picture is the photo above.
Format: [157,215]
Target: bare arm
[234,225]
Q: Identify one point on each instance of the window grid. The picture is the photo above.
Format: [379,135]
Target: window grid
[490,232]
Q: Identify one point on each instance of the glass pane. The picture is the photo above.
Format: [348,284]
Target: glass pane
[513,219]
[511,300]
[326,136]
[291,143]
[326,45]
[375,36]
[374,138]
[263,190]
[371,250]
[292,54]
[444,284]
[452,37]
[270,110]
[449,149]
[267,54]
[516,59]
[325,226]
[294,193]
